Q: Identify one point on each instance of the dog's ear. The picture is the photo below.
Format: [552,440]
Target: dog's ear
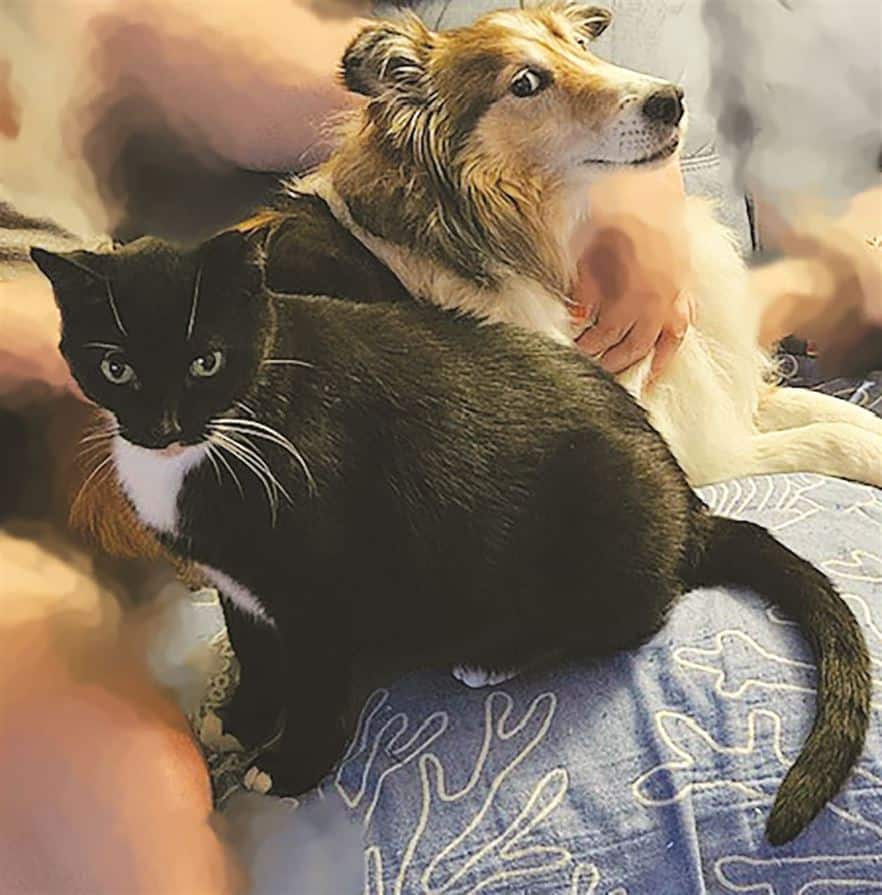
[591,21]
[388,56]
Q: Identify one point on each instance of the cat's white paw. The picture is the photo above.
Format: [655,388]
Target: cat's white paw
[258,781]
[479,677]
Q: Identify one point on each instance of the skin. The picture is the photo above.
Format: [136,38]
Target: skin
[29,324]
[10,113]
[827,287]
[632,266]
[283,93]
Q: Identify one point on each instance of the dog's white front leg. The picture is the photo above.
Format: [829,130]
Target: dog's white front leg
[789,408]
[836,449]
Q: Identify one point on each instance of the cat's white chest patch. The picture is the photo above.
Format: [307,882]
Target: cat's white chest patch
[153,480]
[237,594]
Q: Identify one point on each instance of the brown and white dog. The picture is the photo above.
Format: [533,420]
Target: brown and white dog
[466,173]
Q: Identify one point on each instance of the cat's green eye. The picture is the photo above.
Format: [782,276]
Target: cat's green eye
[116,370]
[207,364]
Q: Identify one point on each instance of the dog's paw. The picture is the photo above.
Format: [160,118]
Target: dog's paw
[477,677]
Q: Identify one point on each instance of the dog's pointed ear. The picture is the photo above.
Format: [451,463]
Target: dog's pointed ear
[388,56]
[591,21]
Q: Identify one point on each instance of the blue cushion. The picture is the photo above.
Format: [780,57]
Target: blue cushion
[649,773]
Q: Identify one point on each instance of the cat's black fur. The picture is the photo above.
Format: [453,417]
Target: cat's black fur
[307,251]
[476,495]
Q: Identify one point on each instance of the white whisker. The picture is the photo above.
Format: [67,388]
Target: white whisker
[258,457]
[91,476]
[209,453]
[96,442]
[220,455]
[104,434]
[268,433]
[104,423]
[236,450]
[252,460]
[288,361]
[90,450]
[191,322]
[114,309]
[243,406]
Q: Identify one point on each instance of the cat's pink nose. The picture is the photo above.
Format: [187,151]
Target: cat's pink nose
[173,449]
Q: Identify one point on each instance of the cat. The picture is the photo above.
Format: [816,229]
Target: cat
[366,480]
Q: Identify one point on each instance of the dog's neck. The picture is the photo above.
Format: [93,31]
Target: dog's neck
[506,255]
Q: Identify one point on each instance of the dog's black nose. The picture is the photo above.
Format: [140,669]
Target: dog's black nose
[665,105]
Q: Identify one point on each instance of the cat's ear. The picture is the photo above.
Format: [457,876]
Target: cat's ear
[69,270]
[230,245]
[230,257]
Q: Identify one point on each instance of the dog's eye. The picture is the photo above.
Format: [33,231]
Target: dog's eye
[116,370]
[207,364]
[529,82]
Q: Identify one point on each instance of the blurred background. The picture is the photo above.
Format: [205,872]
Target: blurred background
[174,116]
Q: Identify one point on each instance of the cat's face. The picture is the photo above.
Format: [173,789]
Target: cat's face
[164,339]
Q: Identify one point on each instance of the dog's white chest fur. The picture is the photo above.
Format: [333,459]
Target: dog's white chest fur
[153,480]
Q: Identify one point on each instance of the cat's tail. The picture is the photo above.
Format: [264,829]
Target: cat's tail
[740,553]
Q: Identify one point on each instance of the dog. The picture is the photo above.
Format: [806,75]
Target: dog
[466,172]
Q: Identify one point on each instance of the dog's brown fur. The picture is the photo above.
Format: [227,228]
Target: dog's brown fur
[476,195]
[483,159]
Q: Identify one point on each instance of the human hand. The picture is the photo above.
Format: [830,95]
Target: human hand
[628,312]
[629,287]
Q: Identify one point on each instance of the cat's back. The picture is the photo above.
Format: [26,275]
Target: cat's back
[307,251]
[421,356]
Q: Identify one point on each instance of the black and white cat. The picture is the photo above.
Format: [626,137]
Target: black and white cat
[365,481]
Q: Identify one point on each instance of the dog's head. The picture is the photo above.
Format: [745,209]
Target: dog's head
[519,91]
